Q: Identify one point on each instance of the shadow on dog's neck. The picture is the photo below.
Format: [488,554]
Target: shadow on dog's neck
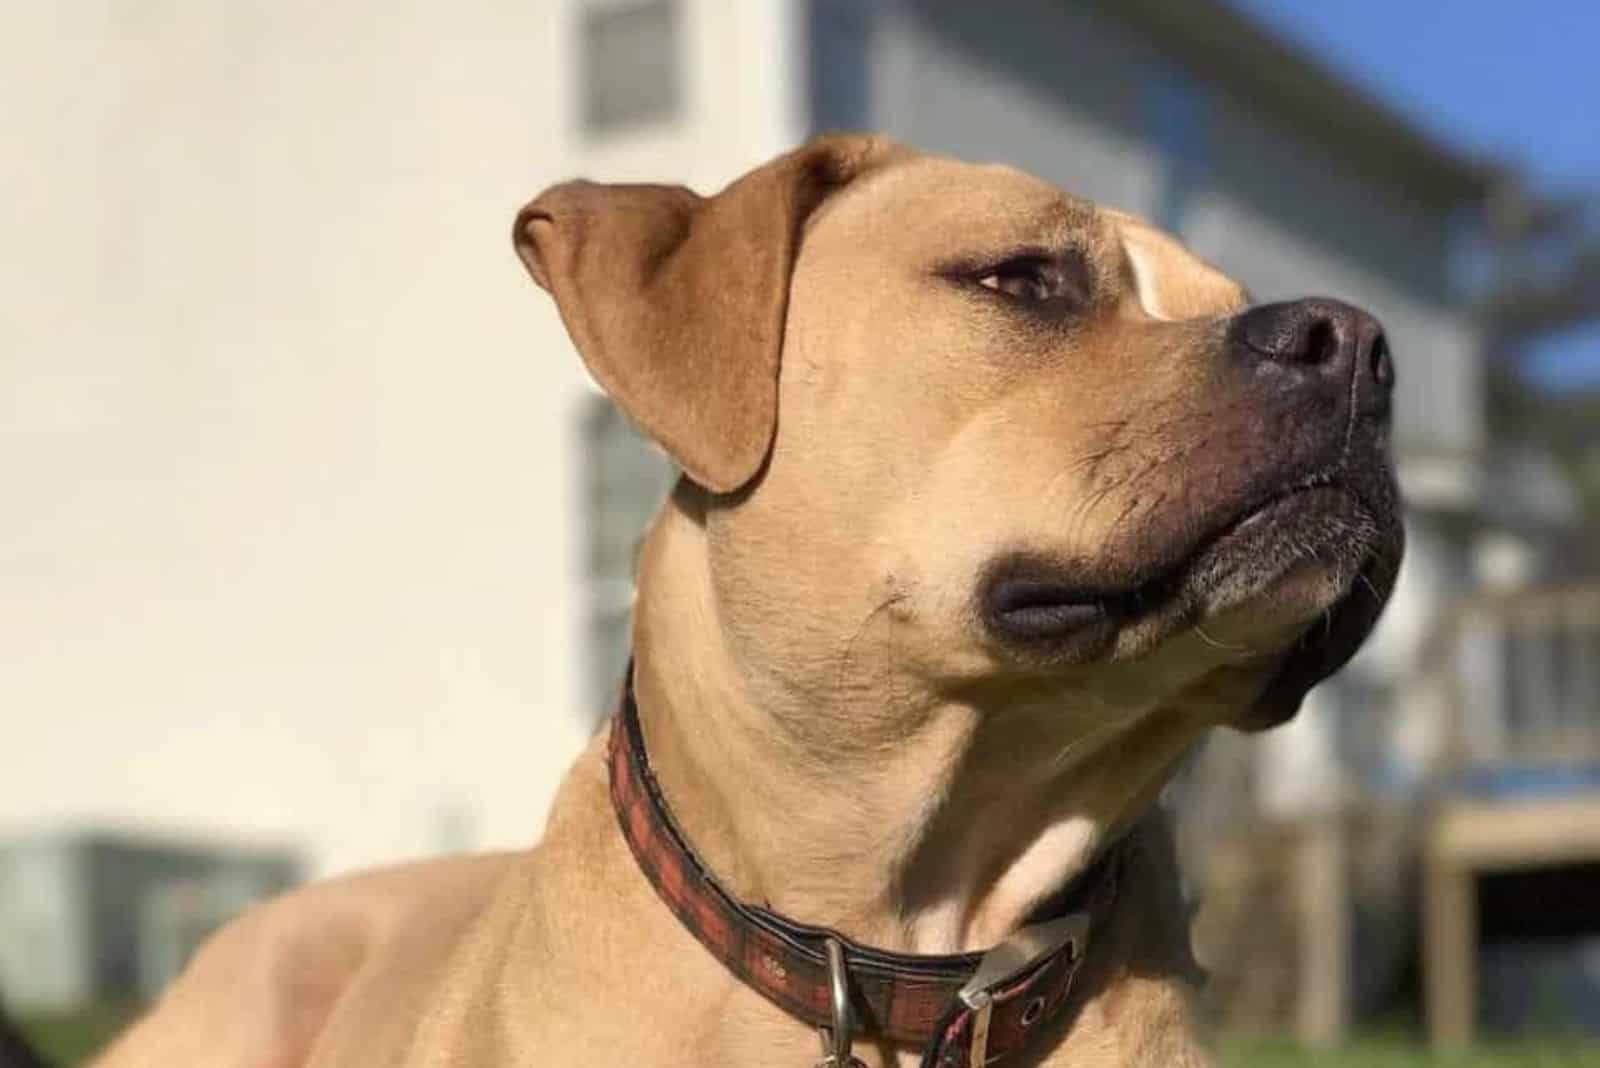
[943,841]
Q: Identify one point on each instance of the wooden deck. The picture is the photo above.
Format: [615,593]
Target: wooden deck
[1467,839]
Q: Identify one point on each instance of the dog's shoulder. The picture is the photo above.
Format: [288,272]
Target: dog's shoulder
[263,987]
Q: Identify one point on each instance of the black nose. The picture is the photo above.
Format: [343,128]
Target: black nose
[1321,340]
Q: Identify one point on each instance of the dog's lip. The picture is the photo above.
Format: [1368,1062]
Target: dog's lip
[1239,537]
[1037,609]
[1320,495]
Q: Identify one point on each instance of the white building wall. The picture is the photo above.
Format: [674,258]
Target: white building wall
[287,438]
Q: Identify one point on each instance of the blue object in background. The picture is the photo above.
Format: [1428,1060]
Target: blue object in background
[1512,781]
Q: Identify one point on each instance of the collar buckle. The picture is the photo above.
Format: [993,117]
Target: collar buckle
[1012,958]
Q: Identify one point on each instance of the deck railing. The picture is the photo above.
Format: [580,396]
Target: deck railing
[1523,671]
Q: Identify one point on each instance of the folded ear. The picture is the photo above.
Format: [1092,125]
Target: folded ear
[1170,281]
[676,302]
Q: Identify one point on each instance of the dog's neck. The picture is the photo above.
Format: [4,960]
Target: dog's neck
[942,842]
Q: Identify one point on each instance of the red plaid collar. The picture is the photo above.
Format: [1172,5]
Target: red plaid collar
[961,1018]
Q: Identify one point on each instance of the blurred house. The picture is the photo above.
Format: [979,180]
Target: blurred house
[323,536]
[87,918]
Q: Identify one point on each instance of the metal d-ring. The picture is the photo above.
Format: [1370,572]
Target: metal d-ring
[836,1041]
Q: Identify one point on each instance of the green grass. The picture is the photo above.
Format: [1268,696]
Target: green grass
[69,1038]
[1385,1052]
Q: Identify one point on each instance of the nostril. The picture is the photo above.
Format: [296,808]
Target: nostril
[1382,363]
[1322,342]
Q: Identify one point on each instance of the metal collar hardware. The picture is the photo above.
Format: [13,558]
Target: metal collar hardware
[836,1040]
[1009,959]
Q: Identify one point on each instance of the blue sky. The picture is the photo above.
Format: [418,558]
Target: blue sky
[1518,82]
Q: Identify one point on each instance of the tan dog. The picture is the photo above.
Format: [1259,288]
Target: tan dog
[994,503]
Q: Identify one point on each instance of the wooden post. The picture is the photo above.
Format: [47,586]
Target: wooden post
[1450,936]
[1323,912]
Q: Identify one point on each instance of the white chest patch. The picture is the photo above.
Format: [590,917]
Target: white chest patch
[1062,851]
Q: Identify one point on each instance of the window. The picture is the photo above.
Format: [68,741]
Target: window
[630,64]
[625,479]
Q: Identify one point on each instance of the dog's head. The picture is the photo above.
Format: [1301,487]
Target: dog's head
[951,423]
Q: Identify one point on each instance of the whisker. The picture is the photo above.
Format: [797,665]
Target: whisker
[1215,644]
[1088,737]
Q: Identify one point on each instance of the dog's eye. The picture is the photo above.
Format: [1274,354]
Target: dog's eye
[1035,279]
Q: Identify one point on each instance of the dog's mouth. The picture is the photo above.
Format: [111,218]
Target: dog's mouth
[1256,559]
[1031,599]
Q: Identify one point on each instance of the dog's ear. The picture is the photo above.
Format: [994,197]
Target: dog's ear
[1170,281]
[676,302]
